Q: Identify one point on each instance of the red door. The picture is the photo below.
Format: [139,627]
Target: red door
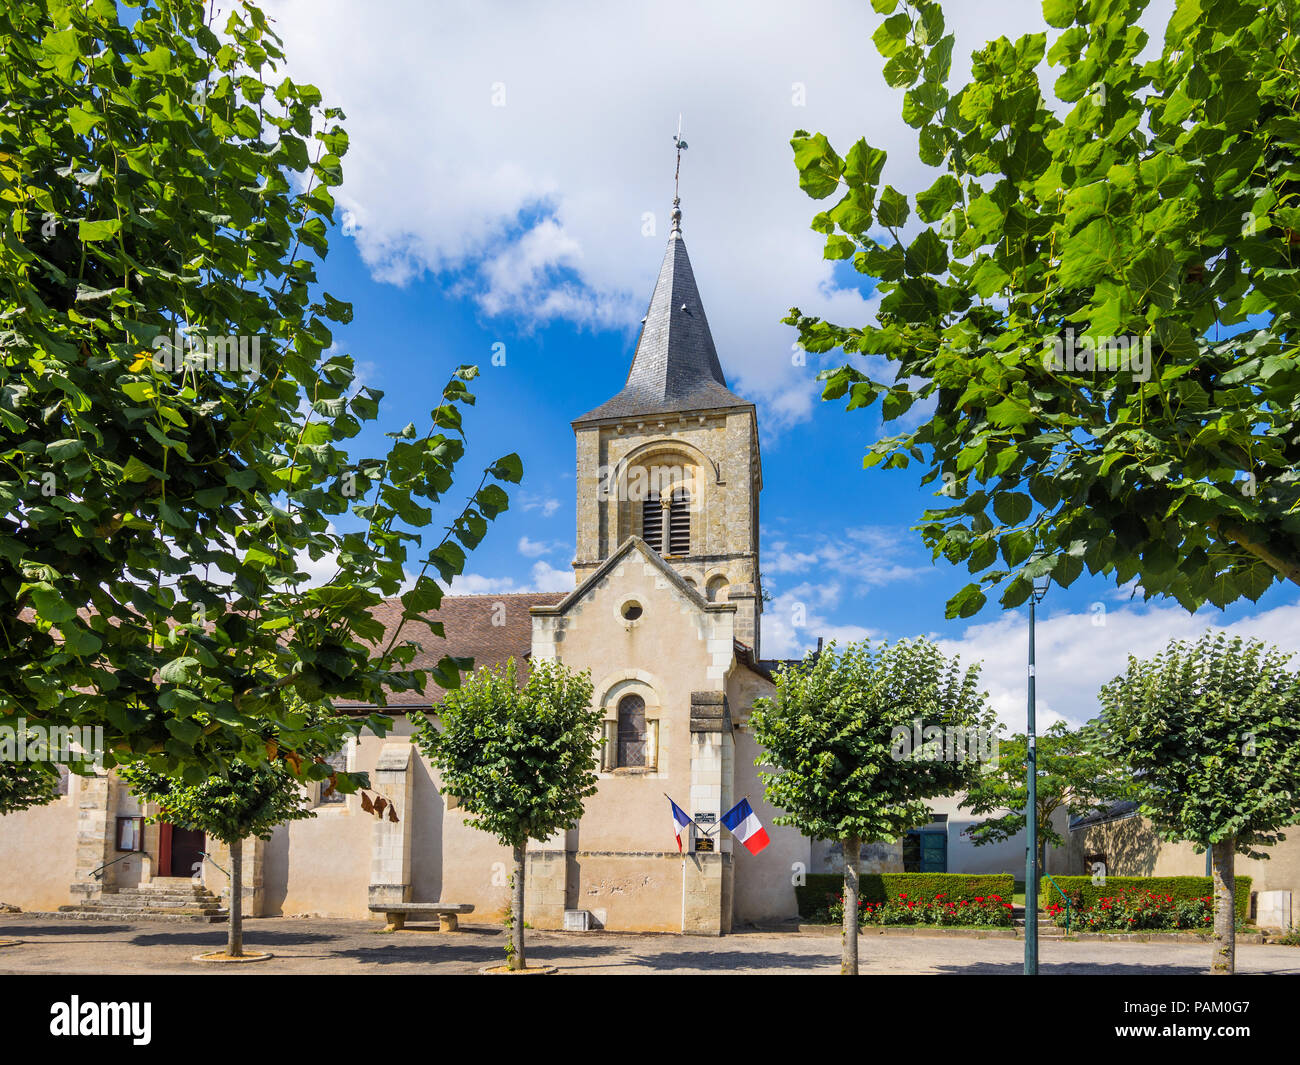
[180,851]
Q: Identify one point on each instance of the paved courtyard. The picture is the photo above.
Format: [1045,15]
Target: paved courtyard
[330,946]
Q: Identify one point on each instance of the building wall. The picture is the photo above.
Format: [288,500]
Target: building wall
[1132,848]
[723,447]
[764,883]
[1005,857]
[38,852]
[627,871]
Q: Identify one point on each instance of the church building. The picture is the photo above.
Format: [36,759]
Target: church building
[664,614]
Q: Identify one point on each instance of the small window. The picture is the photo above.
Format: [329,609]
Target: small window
[652,522]
[715,590]
[925,852]
[338,762]
[631,731]
[130,833]
[631,610]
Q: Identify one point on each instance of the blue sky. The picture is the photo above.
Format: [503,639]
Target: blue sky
[509,182]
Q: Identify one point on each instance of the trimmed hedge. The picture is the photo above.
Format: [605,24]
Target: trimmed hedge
[1083,892]
[877,887]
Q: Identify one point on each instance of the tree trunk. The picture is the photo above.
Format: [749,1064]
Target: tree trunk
[1225,908]
[517,960]
[849,951]
[235,931]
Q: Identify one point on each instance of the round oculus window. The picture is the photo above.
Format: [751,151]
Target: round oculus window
[631,610]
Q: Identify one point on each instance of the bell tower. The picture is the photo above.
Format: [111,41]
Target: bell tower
[673,457]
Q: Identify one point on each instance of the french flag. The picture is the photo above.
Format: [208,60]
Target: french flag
[680,821]
[746,827]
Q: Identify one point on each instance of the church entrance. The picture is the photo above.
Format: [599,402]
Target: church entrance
[180,850]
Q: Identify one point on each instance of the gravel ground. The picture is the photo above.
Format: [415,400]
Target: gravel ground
[361,947]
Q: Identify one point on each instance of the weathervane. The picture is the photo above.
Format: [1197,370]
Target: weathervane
[677,177]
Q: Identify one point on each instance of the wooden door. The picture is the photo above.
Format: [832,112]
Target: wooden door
[186,851]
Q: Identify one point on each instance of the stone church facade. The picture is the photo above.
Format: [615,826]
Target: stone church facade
[665,615]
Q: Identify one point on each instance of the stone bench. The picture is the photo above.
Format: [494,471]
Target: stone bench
[397,913]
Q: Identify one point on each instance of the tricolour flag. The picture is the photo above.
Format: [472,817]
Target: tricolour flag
[746,827]
[680,821]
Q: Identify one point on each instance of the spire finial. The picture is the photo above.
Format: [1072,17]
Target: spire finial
[677,179]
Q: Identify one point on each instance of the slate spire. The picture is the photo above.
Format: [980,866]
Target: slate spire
[676,366]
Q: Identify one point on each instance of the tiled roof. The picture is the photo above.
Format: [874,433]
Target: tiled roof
[676,366]
[475,627]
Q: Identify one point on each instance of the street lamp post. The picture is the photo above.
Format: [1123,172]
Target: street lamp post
[1031,801]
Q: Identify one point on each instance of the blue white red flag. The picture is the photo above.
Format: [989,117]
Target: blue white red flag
[680,821]
[745,826]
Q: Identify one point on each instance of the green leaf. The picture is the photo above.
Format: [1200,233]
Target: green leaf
[63,450]
[1059,13]
[891,36]
[50,606]
[938,199]
[63,51]
[98,230]
[182,670]
[509,468]
[819,167]
[1012,507]
[965,603]
[864,164]
[839,247]
[892,209]
[926,255]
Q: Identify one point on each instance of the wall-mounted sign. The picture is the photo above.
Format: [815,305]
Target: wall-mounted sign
[130,833]
[706,819]
[703,843]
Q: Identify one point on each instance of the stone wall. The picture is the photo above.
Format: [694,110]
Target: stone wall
[1132,848]
[722,451]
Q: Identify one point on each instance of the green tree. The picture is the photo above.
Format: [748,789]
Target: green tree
[1074,774]
[247,801]
[26,784]
[161,503]
[1211,734]
[250,799]
[1144,212]
[520,759]
[836,733]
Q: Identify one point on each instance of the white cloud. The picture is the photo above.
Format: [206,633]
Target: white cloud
[1077,653]
[543,578]
[538,208]
[476,584]
[791,623]
[546,506]
[868,556]
[536,548]
[548,578]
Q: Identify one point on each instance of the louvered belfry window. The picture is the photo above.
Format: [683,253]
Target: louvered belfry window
[631,731]
[679,523]
[652,522]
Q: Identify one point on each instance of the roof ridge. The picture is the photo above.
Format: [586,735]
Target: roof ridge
[479,595]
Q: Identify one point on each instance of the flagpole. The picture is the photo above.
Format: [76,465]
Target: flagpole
[683,850]
[683,892]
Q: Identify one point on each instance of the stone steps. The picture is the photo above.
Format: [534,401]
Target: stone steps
[1047,928]
[162,906]
[84,913]
[178,900]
